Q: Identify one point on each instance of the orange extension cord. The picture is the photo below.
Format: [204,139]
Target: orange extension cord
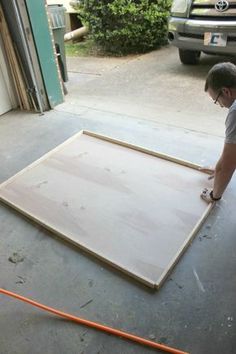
[98,326]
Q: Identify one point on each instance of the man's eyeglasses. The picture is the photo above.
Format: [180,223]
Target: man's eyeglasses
[216,100]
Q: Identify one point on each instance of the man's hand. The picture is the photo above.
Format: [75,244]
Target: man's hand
[209,170]
[205,195]
[208,196]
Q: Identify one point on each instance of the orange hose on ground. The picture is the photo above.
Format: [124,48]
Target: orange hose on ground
[111,330]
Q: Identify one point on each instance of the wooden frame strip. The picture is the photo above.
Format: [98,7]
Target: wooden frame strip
[144,150]
[186,244]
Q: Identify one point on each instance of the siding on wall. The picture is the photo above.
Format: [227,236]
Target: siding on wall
[65,3]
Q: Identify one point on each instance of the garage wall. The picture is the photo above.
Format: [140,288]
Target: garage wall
[7,94]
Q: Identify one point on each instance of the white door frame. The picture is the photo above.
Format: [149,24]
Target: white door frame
[6,76]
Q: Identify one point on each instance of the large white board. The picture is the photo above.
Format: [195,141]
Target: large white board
[127,206]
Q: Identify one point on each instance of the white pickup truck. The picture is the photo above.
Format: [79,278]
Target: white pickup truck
[197,26]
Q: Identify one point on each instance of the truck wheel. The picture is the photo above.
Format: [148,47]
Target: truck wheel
[189,57]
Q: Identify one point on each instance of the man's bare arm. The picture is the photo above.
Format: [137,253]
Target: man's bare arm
[223,172]
[224,169]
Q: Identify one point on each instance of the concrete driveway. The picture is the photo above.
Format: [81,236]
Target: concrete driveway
[154,87]
[155,102]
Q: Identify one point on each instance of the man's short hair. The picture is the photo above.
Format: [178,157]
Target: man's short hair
[221,75]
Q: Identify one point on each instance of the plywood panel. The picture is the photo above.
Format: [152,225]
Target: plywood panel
[130,208]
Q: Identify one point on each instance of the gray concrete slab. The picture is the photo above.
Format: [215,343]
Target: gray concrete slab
[195,308]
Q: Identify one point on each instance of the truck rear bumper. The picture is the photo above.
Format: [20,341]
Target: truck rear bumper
[189,34]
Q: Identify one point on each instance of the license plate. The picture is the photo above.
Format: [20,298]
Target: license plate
[215,39]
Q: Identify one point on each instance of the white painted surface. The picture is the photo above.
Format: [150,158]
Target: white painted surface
[6,94]
[65,3]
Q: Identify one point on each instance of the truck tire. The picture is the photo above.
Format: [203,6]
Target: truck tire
[189,57]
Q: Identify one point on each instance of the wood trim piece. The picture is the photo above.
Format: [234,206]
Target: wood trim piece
[186,244]
[144,150]
[44,157]
[50,228]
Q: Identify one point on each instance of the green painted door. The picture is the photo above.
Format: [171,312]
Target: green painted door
[37,11]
